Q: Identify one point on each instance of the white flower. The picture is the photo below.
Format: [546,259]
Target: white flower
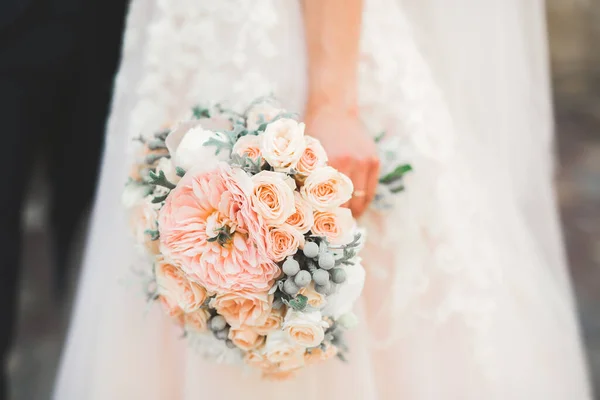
[166,166]
[186,144]
[306,329]
[261,113]
[280,350]
[282,144]
[343,300]
[348,320]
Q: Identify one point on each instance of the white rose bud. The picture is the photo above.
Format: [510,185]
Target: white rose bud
[282,144]
[186,144]
[343,300]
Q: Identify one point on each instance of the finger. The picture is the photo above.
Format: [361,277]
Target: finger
[345,166]
[360,177]
[373,180]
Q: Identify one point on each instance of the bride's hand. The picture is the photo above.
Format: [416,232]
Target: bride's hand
[350,149]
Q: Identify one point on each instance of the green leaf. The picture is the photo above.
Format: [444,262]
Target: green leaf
[154,235]
[395,175]
[160,180]
[159,199]
[379,137]
[299,303]
[180,172]
[200,112]
[397,189]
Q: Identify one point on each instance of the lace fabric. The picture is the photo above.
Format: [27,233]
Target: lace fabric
[460,291]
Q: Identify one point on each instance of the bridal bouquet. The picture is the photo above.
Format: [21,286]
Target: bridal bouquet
[252,252]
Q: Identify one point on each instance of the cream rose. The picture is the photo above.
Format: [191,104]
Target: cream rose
[273,322]
[283,241]
[261,113]
[197,321]
[173,283]
[282,144]
[143,218]
[306,329]
[273,196]
[302,219]
[249,146]
[326,188]
[187,146]
[243,308]
[336,225]
[342,301]
[316,300]
[245,338]
[258,360]
[172,309]
[314,157]
[280,350]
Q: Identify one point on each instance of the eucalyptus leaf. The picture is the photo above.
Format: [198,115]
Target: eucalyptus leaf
[395,175]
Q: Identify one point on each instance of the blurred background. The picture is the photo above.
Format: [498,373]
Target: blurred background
[574,34]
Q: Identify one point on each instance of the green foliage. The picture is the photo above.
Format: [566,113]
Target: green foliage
[395,175]
[298,303]
[160,180]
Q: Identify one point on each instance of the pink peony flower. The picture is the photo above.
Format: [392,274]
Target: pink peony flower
[209,228]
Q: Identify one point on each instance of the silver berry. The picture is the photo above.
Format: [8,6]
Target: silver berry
[290,287]
[302,278]
[229,344]
[311,249]
[321,277]
[277,304]
[326,261]
[323,289]
[338,275]
[223,334]
[217,323]
[291,267]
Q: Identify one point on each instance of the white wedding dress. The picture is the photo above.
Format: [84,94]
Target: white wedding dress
[468,295]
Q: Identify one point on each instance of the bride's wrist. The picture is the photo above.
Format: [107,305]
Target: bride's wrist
[343,101]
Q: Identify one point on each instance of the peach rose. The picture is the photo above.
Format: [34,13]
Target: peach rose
[302,219]
[318,354]
[306,329]
[249,146]
[261,113]
[286,354]
[336,225]
[273,322]
[282,144]
[208,227]
[327,188]
[316,300]
[172,309]
[173,283]
[314,157]
[273,196]
[245,338]
[283,241]
[197,321]
[243,308]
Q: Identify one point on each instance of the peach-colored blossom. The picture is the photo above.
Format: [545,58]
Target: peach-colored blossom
[316,300]
[306,329]
[172,309]
[327,188]
[243,308]
[283,241]
[245,338]
[317,354]
[198,320]
[255,359]
[273,196]
[143,217]
[273,322]
[302,219]
[174,284]
[202,206]
[314,157]
[249,146]
[336,225]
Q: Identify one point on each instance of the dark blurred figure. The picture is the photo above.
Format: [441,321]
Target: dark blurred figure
[57,62]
